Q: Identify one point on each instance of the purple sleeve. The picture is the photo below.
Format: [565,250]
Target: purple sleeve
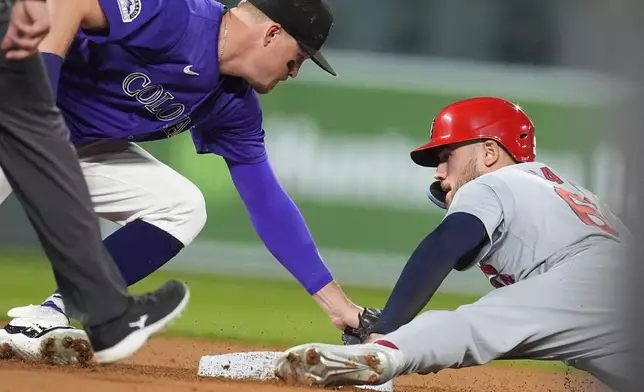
[279,224]
[153,24]
[53,63]
[236,131]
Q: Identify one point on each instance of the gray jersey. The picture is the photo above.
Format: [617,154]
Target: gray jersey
[534,219]
[562,249]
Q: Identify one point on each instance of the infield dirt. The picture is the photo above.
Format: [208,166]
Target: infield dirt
[170,364]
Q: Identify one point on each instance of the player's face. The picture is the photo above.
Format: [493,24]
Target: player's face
[281,57]
[458,166]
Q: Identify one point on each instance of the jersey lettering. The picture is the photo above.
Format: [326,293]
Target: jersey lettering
[582,206]
[153,96]
[497,280]
[586,210]
[550,176]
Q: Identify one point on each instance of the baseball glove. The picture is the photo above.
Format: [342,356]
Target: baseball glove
[366,321]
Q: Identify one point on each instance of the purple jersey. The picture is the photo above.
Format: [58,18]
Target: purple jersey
[154,75]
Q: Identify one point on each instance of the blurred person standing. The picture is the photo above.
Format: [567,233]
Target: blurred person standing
[625,33]
[616,49]
[43,169]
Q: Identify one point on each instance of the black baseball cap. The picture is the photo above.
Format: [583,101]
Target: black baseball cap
[308,21]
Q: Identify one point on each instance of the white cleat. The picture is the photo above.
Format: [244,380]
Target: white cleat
[334,365]
[43,335]
[39,312]
[6,349]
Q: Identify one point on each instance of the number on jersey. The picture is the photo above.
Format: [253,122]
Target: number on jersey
[586,210]
[582,206]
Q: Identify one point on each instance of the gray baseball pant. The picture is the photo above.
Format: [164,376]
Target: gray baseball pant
[43,170]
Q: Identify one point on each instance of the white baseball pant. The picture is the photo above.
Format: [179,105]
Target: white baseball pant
[127,183]
[569,313]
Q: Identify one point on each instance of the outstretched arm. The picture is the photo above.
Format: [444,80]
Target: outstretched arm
[280,225]
[454,244]
[464,234]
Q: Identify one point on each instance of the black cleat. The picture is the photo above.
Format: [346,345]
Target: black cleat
[146,315]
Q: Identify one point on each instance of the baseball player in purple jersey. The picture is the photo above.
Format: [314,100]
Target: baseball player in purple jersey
[549,247]
[143,70]
[43,168]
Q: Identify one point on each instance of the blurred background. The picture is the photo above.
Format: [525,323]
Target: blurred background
[340,145]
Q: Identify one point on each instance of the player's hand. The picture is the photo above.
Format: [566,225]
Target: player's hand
[366,321]
[345,317]
[28,26]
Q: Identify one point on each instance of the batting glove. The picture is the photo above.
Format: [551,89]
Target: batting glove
[366,321]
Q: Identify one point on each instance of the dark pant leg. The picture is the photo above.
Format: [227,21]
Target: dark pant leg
[43,170]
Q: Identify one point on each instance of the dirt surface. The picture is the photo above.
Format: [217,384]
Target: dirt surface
[170,364]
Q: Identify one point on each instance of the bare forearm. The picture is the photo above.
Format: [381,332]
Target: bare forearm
[67,17]
[337,305]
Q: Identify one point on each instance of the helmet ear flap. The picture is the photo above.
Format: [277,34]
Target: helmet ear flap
[437,195]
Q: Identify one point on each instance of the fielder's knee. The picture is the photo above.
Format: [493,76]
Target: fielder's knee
[183,214]
[193,214]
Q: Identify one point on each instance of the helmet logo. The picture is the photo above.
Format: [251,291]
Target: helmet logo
[431,129]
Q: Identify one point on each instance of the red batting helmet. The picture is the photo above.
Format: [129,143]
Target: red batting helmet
[479,118]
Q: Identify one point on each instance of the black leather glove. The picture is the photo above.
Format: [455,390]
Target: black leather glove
[366,321]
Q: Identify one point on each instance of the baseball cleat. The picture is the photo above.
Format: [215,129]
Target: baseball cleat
[6,349]
[146,315]
[65,347]
[330,365]
[46,340]
[39,312]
